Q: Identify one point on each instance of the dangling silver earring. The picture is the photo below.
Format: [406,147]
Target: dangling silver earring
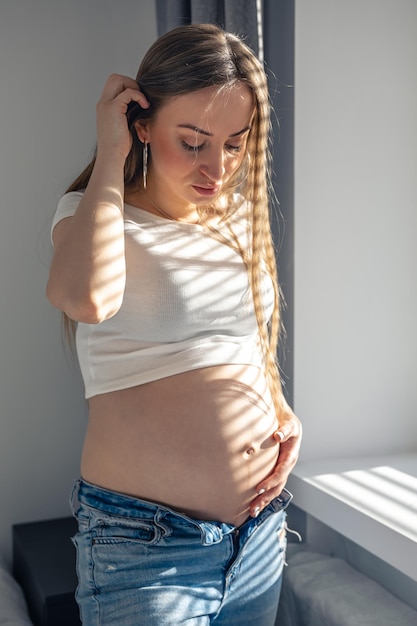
[145,164]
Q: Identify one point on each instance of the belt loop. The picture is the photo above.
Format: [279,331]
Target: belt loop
[74,501]
[158,516]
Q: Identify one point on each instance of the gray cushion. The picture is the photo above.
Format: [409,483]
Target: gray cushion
[13,609]
[320,590]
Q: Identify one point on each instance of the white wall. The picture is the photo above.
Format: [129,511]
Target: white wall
[356,226]
[55,56]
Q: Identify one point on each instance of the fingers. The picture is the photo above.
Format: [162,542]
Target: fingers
[289,436]
[265,496]
[272,486]
[287,429]
[124,88]
[113,134]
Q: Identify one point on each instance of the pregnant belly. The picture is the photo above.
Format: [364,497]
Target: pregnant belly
[199,442]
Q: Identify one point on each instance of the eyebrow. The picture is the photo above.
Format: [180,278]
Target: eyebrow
[204,132]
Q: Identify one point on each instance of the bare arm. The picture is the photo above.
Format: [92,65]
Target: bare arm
[87,274]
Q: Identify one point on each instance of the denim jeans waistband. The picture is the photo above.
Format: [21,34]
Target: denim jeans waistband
[112,503]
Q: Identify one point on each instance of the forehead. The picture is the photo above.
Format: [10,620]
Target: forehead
[211,108]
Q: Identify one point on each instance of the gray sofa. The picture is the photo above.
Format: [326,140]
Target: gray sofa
[321,590]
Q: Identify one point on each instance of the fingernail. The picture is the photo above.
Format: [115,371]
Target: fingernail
[260,492]
[279,434]
[256,511]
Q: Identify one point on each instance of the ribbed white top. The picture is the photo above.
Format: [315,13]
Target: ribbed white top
[187,305]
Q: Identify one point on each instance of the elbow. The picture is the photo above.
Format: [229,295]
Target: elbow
[86,310]
[91,313]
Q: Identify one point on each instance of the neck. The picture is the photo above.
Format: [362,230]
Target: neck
[155,206]
[164,213]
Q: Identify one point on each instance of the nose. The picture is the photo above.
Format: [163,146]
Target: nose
[213,166]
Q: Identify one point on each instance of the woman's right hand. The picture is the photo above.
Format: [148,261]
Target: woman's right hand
[112,128]
[88,269]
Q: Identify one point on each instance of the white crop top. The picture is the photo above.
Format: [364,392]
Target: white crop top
[187,305]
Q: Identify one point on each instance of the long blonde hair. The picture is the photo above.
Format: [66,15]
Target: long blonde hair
[187,59]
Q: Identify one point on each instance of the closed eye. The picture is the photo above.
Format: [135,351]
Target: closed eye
[234,148]
[193,148]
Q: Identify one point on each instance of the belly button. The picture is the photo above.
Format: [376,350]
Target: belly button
[250,450]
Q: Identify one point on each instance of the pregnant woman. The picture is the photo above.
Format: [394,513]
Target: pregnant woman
[164,268]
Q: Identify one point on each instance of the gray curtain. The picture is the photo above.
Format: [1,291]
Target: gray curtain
[236,16]
[279,43]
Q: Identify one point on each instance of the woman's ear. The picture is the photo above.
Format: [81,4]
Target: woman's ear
[142,130]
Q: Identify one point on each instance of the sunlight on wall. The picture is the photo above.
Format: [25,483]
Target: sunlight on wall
[385,493]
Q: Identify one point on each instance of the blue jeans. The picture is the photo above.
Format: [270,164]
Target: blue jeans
[140,563]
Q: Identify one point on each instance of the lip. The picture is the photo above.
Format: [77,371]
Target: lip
[206,191]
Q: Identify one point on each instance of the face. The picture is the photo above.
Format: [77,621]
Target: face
[197,142]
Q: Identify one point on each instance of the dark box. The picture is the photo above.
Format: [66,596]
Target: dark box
[44,561]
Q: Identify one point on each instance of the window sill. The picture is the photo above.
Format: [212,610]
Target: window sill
[371,501]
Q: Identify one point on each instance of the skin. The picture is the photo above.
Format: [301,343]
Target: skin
[197,142]
[206,442]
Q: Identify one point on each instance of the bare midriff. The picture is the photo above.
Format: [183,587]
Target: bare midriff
[198,442]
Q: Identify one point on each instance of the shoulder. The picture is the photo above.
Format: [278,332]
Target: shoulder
[67,205]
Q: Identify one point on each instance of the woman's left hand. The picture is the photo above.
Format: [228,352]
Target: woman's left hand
[288,435]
